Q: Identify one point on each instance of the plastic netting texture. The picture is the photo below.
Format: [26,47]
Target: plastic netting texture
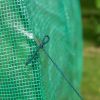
[17,81]
[20,21]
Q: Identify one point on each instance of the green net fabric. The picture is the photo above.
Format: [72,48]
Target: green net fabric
[20,20]
[17,81]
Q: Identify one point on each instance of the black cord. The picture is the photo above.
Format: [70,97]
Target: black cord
[41,46]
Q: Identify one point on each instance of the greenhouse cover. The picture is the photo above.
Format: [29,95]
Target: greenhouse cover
[20,22]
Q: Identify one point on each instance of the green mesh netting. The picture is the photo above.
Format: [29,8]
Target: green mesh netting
[20,20]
